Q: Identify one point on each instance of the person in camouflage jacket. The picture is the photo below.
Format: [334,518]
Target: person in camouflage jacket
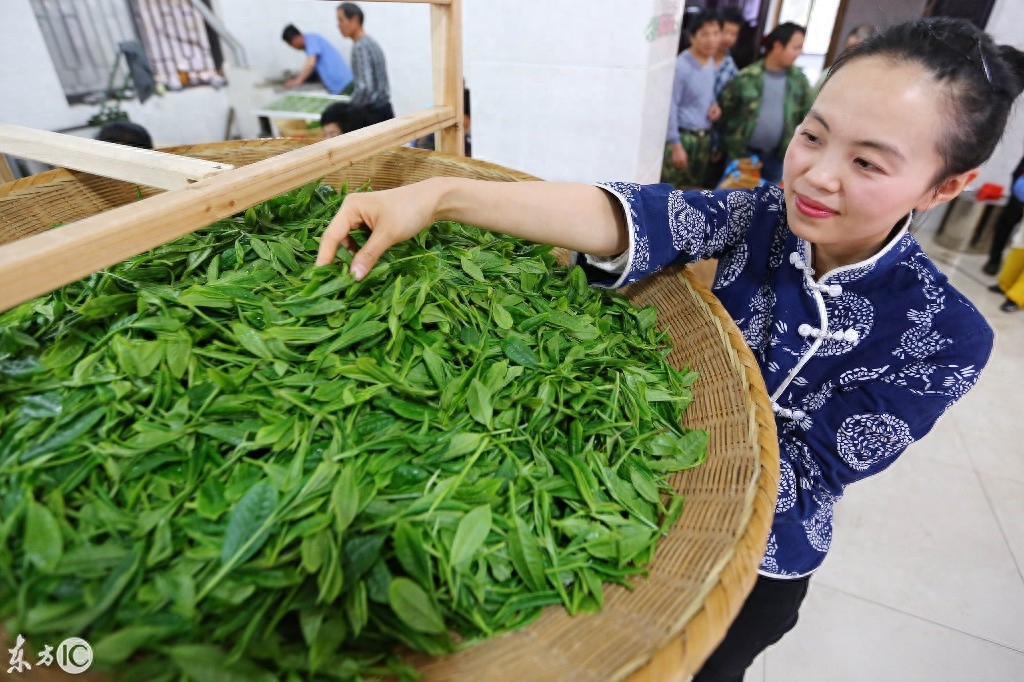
[741,99]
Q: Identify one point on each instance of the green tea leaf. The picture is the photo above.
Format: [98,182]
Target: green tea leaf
[249,524]
[207,663]
[260,248]
[44,544]
[479,402]
[106,306]
[345,499]
[68,433]
[251,340]
[314,550]
[470,535]
[473,270]
[414,608]
[462,444]
[408,543]
[501,316]
[117,647]
[526,555]
[359,553]
[178,352]
[63,353]
[518,352]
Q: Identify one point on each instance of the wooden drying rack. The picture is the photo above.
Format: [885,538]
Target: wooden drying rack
[202,192]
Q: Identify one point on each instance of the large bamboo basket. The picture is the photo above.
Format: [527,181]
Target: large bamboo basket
[665,627]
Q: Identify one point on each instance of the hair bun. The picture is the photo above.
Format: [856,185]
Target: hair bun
[1014,60]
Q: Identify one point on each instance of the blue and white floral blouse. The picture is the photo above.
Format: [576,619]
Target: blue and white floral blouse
[859,364]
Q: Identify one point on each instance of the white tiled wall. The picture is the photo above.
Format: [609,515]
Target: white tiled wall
[654,121]
[573,90]
[594,33]
[558,122]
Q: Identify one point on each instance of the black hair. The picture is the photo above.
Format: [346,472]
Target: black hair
[345,116]
[289,33]
[782,33]
[465,101]
[702,19]
[980,79]
[334,114]
[350,9]
[731,15]
[126,133]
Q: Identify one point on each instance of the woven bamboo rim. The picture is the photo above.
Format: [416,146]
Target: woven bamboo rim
[669,623]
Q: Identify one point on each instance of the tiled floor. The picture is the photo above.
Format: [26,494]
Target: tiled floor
[925,579]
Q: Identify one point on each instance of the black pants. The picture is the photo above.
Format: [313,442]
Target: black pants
[1008,220]
[769,612]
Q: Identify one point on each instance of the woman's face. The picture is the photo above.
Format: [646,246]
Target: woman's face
[865,155]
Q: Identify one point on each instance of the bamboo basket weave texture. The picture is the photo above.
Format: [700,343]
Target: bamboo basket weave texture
[666,626]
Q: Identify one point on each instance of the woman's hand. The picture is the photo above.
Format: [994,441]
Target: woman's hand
[392,216]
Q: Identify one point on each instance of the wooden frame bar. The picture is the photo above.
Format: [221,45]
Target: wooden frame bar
[446,51]
[140,166]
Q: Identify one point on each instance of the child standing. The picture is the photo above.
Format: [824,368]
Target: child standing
[862,342]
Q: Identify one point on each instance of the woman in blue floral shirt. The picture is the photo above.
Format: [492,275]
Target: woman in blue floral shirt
[862,342]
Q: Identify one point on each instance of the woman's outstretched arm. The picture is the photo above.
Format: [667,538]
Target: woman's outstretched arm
[574,216]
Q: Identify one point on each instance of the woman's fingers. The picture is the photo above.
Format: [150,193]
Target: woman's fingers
[357,212]
[391,216]
[350,244]
[378,242]
[348,218]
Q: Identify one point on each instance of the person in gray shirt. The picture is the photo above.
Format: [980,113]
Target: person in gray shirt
[371,91]
[765,102]
[770,123]
[693,108]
